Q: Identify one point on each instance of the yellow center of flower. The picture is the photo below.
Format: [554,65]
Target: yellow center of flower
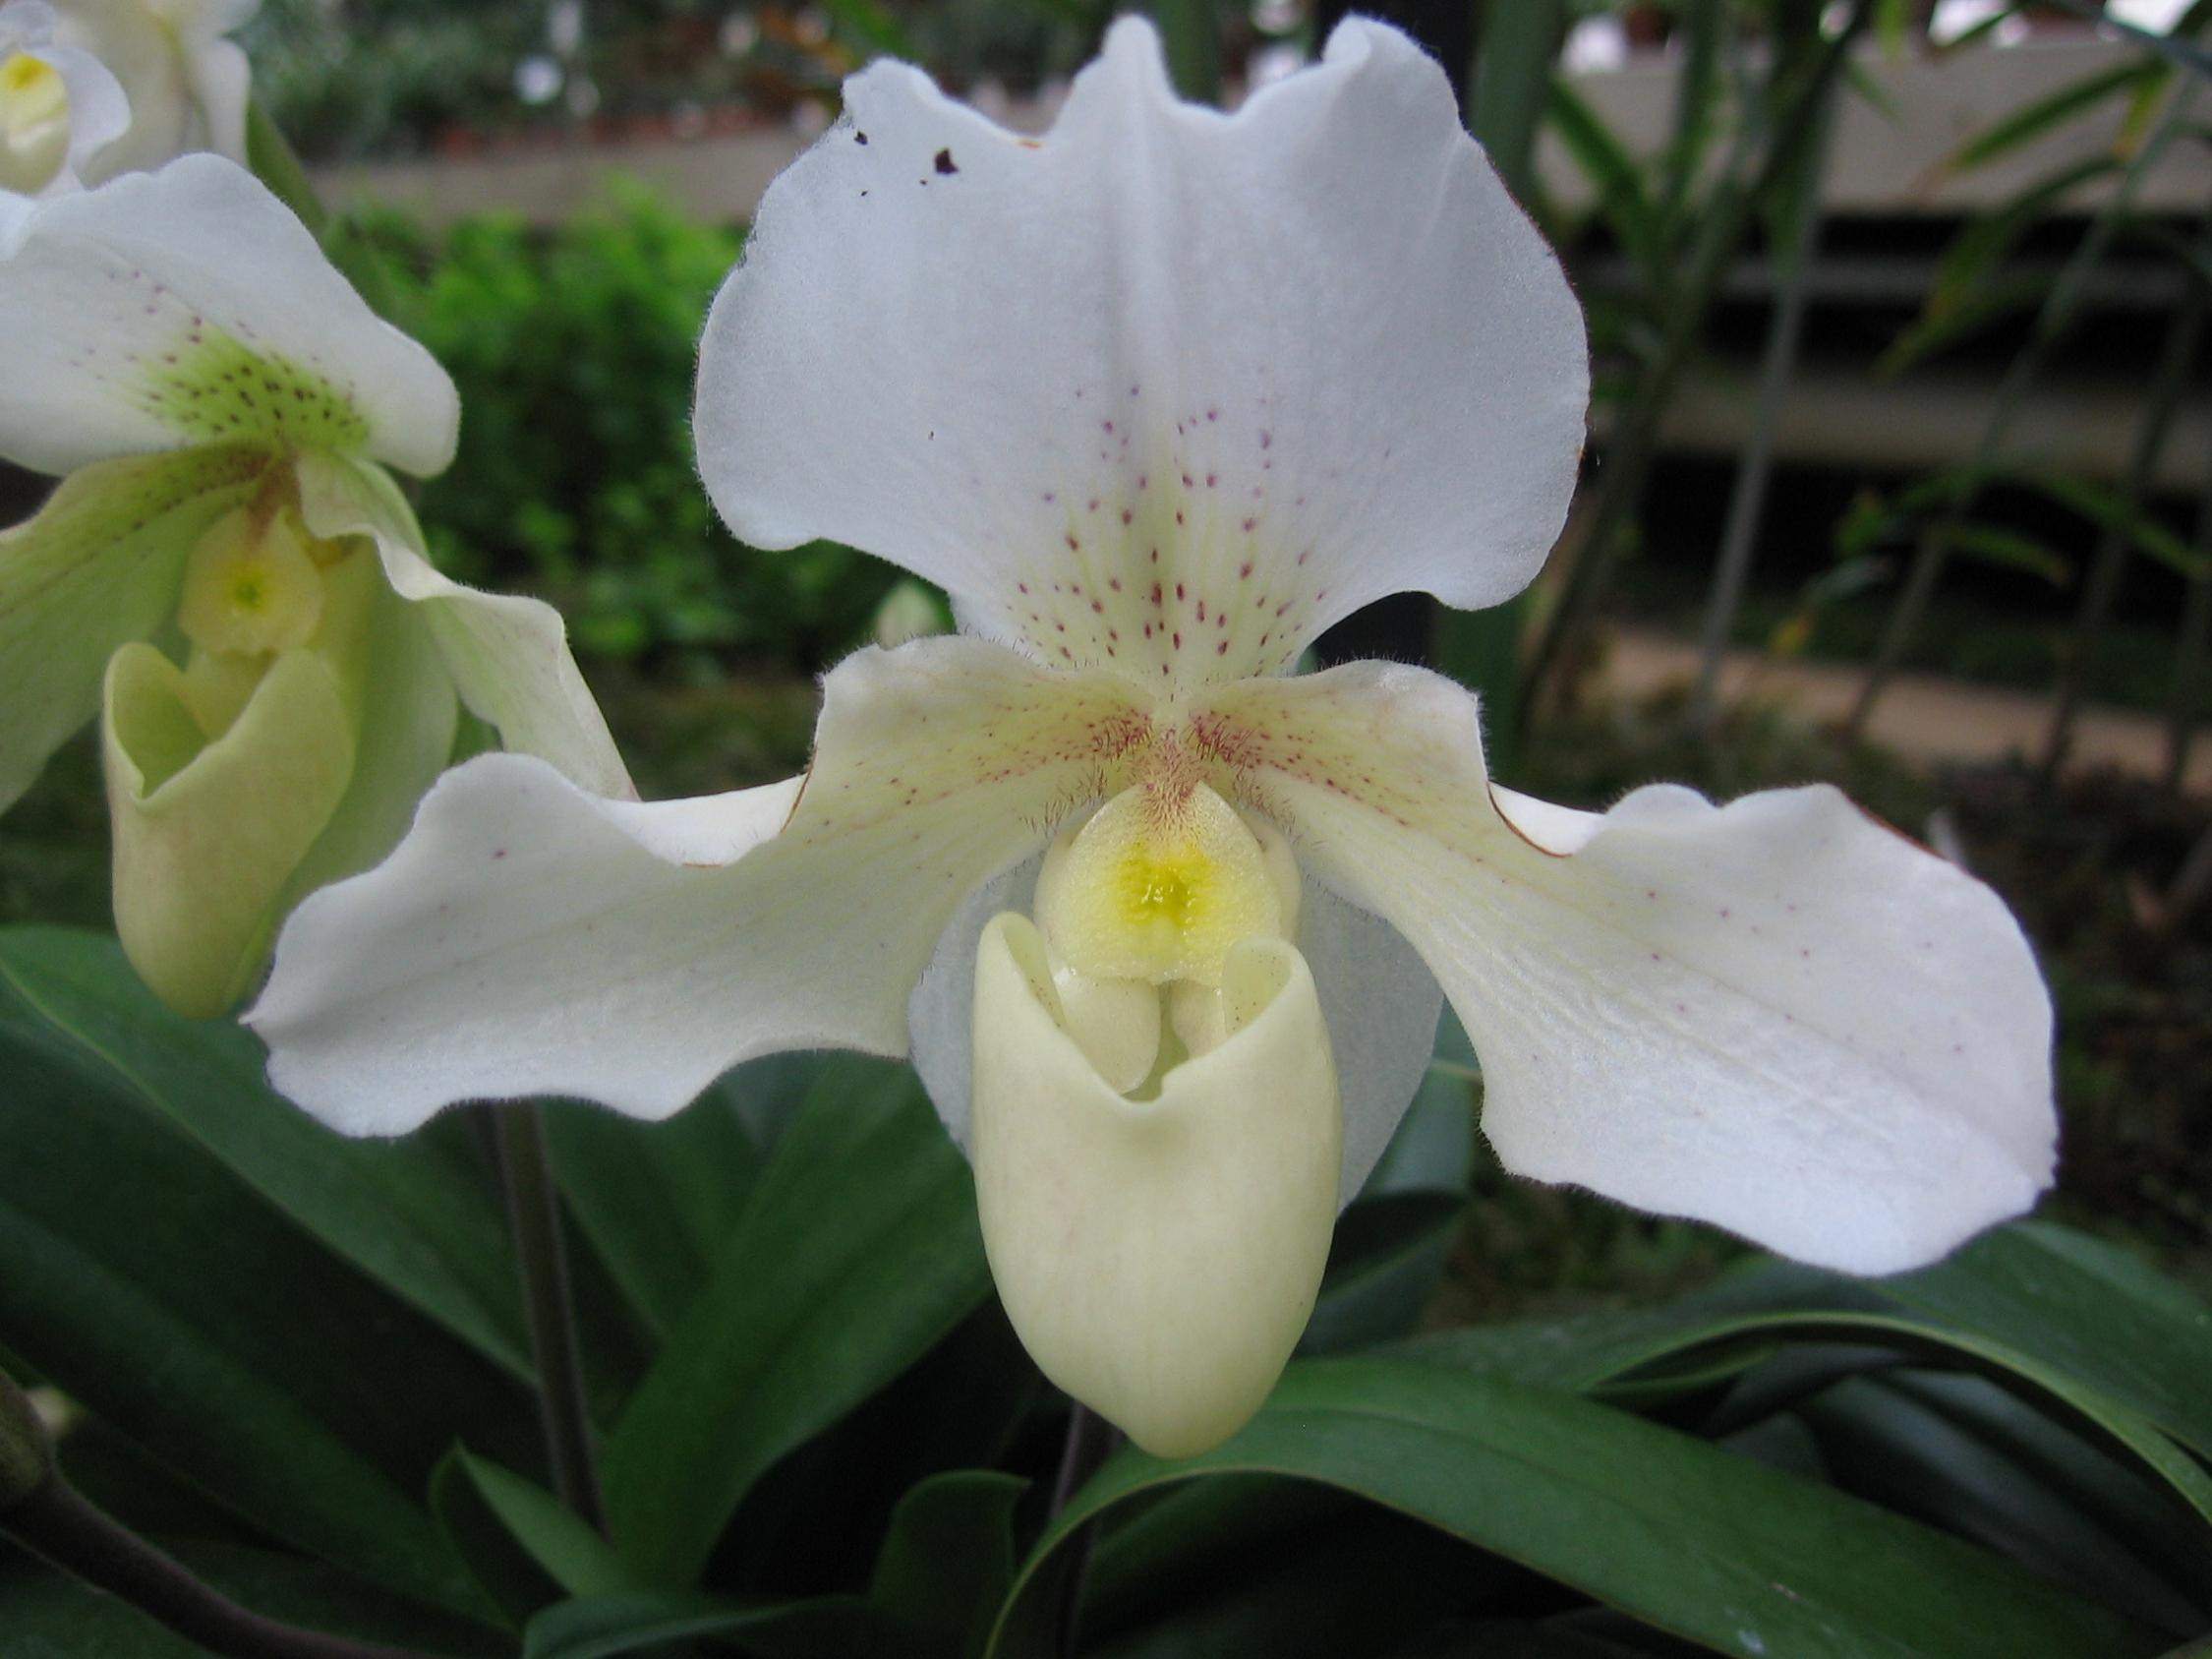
[1157,889]
[253,585]
[34,122]
[31,84]
[1141,909]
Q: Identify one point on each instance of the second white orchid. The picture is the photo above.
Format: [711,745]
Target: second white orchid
[60,107]
[228,575]
[188,82]
[1157,399]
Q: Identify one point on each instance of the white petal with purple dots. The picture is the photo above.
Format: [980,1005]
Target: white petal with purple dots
[1165,391]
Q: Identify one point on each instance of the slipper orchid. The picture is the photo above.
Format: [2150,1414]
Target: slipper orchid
[188,82]
[221,407]
[59,107]
[1158,397]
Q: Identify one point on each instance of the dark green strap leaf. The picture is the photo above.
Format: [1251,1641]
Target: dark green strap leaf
[150,1283]
[408,1214]
[857,1250]
[1672,1530]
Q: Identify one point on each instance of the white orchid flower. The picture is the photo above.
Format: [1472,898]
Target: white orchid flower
[188,82]
[59,107]
[221,407]
[1157,399]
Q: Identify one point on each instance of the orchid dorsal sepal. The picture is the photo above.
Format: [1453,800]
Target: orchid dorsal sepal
[1158,1255]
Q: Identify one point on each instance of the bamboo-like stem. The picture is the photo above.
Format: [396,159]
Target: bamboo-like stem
[1635,442]
[2192,882]
[1932,553]
[1748,498]
[58,1522]
[534,1219]
[2176,358]
[2191,653]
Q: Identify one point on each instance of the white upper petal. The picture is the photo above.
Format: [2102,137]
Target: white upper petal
[1165,391]
[529,938]
[1776,1014]
[190,305]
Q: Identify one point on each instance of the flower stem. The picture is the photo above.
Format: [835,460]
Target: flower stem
[1090,1440]
[58,1522]
[534,1221]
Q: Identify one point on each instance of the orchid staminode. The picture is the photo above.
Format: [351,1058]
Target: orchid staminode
[60,107]
[221,407]
[1166,928]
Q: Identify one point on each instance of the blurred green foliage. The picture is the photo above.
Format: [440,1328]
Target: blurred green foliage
[574,352]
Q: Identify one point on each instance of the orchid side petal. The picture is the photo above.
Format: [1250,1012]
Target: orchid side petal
[1381,1003]
[527,938]
[1158,1258]
[1777,1015]
[408,720]
[96,568]
[1165,391]
[188,305]
[507,655]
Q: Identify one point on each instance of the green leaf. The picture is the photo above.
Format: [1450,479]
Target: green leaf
[148,1282]
[599,1626]
[1618,182]
[269,154]
[1980,29]
[948,1559]
[2009,549]
[1515,49]
[525,1548]
[45,1614]
[1670,1529]
[2125,1359]
[1191,38]
[2105,505]
[1986,306]
[1385,1261]
[411,1214]
[654,1199]
[857,1250]
[2031,121]
[1960,1454]
[1261,1565]
[509,1577]
[1976,251]
[875,26]
[2087,1309]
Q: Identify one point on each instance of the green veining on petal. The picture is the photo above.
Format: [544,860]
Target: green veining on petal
[216,388]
